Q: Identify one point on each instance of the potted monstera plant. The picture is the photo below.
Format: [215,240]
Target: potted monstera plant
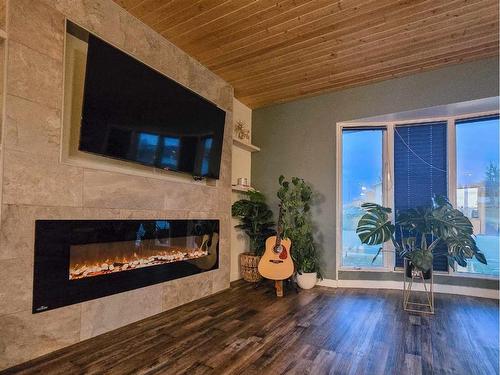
[296,197]
[422,233]
[256,221]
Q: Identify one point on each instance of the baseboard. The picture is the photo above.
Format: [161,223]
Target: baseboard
[398,285]
[330,283]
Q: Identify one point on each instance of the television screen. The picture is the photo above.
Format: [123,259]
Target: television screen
[132,112]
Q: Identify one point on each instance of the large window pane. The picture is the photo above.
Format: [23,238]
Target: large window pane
[362,171]
[478,187]
[420,172]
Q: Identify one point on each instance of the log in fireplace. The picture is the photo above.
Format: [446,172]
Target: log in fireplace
[80,260]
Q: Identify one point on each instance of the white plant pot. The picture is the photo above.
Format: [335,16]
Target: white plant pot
[307,280]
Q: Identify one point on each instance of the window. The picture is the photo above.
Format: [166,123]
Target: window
[420,171]
[402,165]
[362,181]
[477,187]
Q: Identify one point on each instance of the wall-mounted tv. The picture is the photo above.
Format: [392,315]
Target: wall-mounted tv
[132,112]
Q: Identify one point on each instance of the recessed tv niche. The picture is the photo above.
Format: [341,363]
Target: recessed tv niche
[131,112]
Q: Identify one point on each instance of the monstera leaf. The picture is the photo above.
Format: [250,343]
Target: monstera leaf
[449,222]
[462,247]
[417,220]
[374,227]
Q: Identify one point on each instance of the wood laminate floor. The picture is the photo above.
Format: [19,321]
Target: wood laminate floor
[322,331]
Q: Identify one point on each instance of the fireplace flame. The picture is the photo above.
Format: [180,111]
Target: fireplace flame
[145,256]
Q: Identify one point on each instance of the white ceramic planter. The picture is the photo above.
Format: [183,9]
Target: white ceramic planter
[307,280]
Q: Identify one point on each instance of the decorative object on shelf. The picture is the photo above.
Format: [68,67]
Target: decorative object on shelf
[242,185]
[242,181]
[241,131]
[296,196]
[414,274]
[256,221]
[420,231]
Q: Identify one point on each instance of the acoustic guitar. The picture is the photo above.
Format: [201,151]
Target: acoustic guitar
[277,263]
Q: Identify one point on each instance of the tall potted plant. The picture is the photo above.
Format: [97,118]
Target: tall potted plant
[420,231]
[256,221]
[296,197]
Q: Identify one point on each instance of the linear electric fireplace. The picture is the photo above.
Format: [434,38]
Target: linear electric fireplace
[80,260]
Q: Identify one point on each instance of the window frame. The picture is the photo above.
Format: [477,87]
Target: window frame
[388,257]
[452,184]
[388,183]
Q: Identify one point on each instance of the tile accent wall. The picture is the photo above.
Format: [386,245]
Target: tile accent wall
[36,185]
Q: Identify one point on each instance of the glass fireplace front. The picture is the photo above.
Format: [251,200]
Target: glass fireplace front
[79,260]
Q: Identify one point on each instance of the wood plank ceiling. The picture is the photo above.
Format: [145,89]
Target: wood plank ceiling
[274,51]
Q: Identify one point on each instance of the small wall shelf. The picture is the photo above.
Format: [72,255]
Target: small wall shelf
[241,189]
[245,146]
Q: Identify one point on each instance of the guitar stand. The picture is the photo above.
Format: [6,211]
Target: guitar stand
[282,285]
[278,284]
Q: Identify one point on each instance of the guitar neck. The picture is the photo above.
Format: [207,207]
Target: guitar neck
[279,229]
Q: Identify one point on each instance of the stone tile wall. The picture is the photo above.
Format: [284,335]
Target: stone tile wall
[36,185]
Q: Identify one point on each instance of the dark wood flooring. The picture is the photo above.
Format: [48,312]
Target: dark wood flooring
[322,331]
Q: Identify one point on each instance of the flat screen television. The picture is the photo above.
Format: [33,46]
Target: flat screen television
[132,112]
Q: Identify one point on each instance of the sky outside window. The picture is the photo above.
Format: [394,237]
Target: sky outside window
[362,170]
[478,187]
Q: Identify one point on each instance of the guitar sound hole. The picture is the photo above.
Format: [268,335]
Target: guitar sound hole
[278,249]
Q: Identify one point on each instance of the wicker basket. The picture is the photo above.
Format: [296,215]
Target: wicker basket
[248,264]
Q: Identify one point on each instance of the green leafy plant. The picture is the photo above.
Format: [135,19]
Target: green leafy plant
[255,219]
[421,230]
[296,197]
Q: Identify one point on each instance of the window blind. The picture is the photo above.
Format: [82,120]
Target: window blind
[420,171]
